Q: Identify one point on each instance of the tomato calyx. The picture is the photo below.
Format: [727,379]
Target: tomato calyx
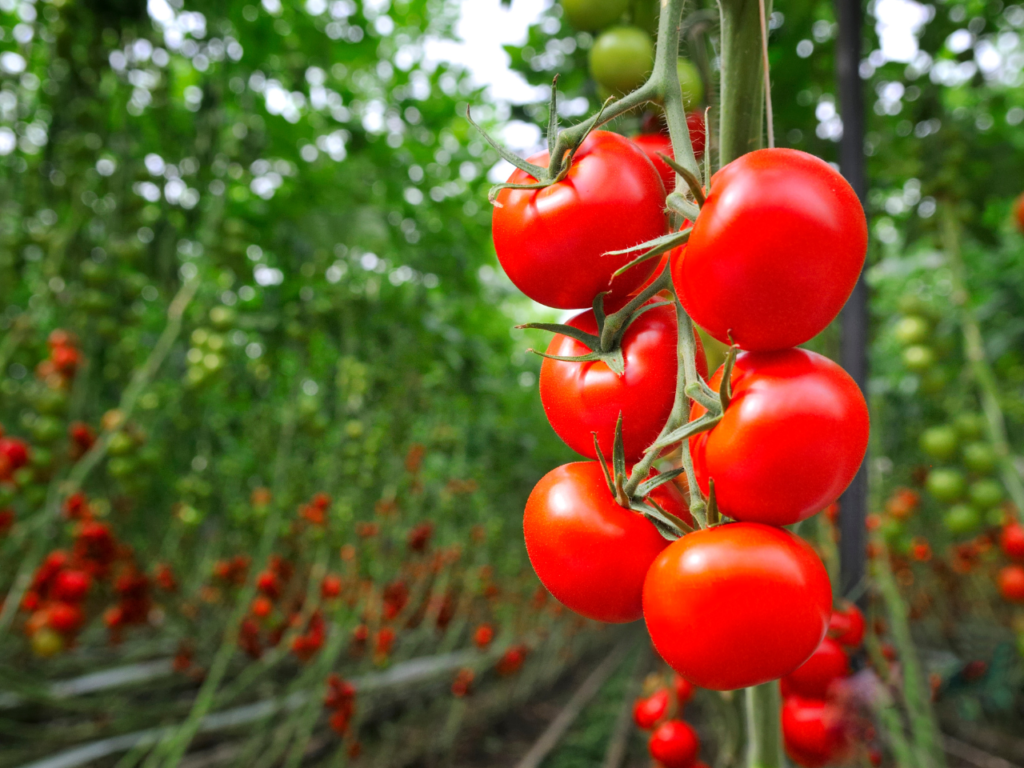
[638,497]
[656,247]
[606,344]
[559,167]
[678,202]
[714,402]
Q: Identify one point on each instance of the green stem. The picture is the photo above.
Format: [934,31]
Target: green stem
[742,96]
[977,360]
[916,695]
[764,736]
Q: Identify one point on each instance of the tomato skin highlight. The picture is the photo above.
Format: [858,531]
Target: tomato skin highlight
[790,441]
[811,739]
[712,592]
[586,397]
[814,677]
[589,552]
[551,241]
[775,252]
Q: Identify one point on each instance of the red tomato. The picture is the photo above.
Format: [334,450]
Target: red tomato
[790,441]
[674,744]
[811,737]
[71,585]
[1019,211]
[582,398]
[65,618]
[1011,541]
[551,242]
[1011,583]
[659,143]
[684,689]
[814,677]
[775,252]
[847,626]
[737,605]
[589,552]
[648,712]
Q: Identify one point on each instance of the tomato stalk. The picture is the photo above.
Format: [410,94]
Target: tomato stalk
[764,735]
[742,96]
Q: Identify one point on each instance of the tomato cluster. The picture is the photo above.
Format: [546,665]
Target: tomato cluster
[815,728]
[673,743]
[776,443]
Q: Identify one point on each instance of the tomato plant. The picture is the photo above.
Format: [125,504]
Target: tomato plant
[552,241]
[709,592]
[659,143]
[791,438]
[769,272]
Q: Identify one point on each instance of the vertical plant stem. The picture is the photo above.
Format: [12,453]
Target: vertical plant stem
[977,360]
[923,726]
[764,736]
[742,97]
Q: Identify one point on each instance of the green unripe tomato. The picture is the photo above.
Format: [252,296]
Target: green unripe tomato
[985,493]
[690,84]
[946,485]
[120,444]
[46,429]
[222,318]
[591,15]
[46,643]
[41,457]
[913,304]
[971,426]
[621,58]
[939,442]
[934,380]
[912,329]
[49,400]
[980,458]
[121,467]
[962,520]
[892,529]
[996,517]
[918,358]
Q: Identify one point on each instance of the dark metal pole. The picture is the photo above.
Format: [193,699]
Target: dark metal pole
[854,318]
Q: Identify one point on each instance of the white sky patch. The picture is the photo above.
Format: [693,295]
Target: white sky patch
[483,27]
[898,24]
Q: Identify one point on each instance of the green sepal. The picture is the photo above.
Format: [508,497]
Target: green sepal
[713,515]
[604,465]
[553,117]
[658,480]
[690,428]
[676,240]
[725,388]
[619,461]
[589,340]
[691,180]
[679,204]
[660,240]
[536,171]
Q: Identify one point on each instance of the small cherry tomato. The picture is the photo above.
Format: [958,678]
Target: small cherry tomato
[590,553]
[790,441]
[674,744]
[71,585]
[581,398]
[711,592]
[684,689]
[551,242]
[811,736]
[814,677]
[1011,541]
[847,626]
[648,712]
[1011,583]
[770,271]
